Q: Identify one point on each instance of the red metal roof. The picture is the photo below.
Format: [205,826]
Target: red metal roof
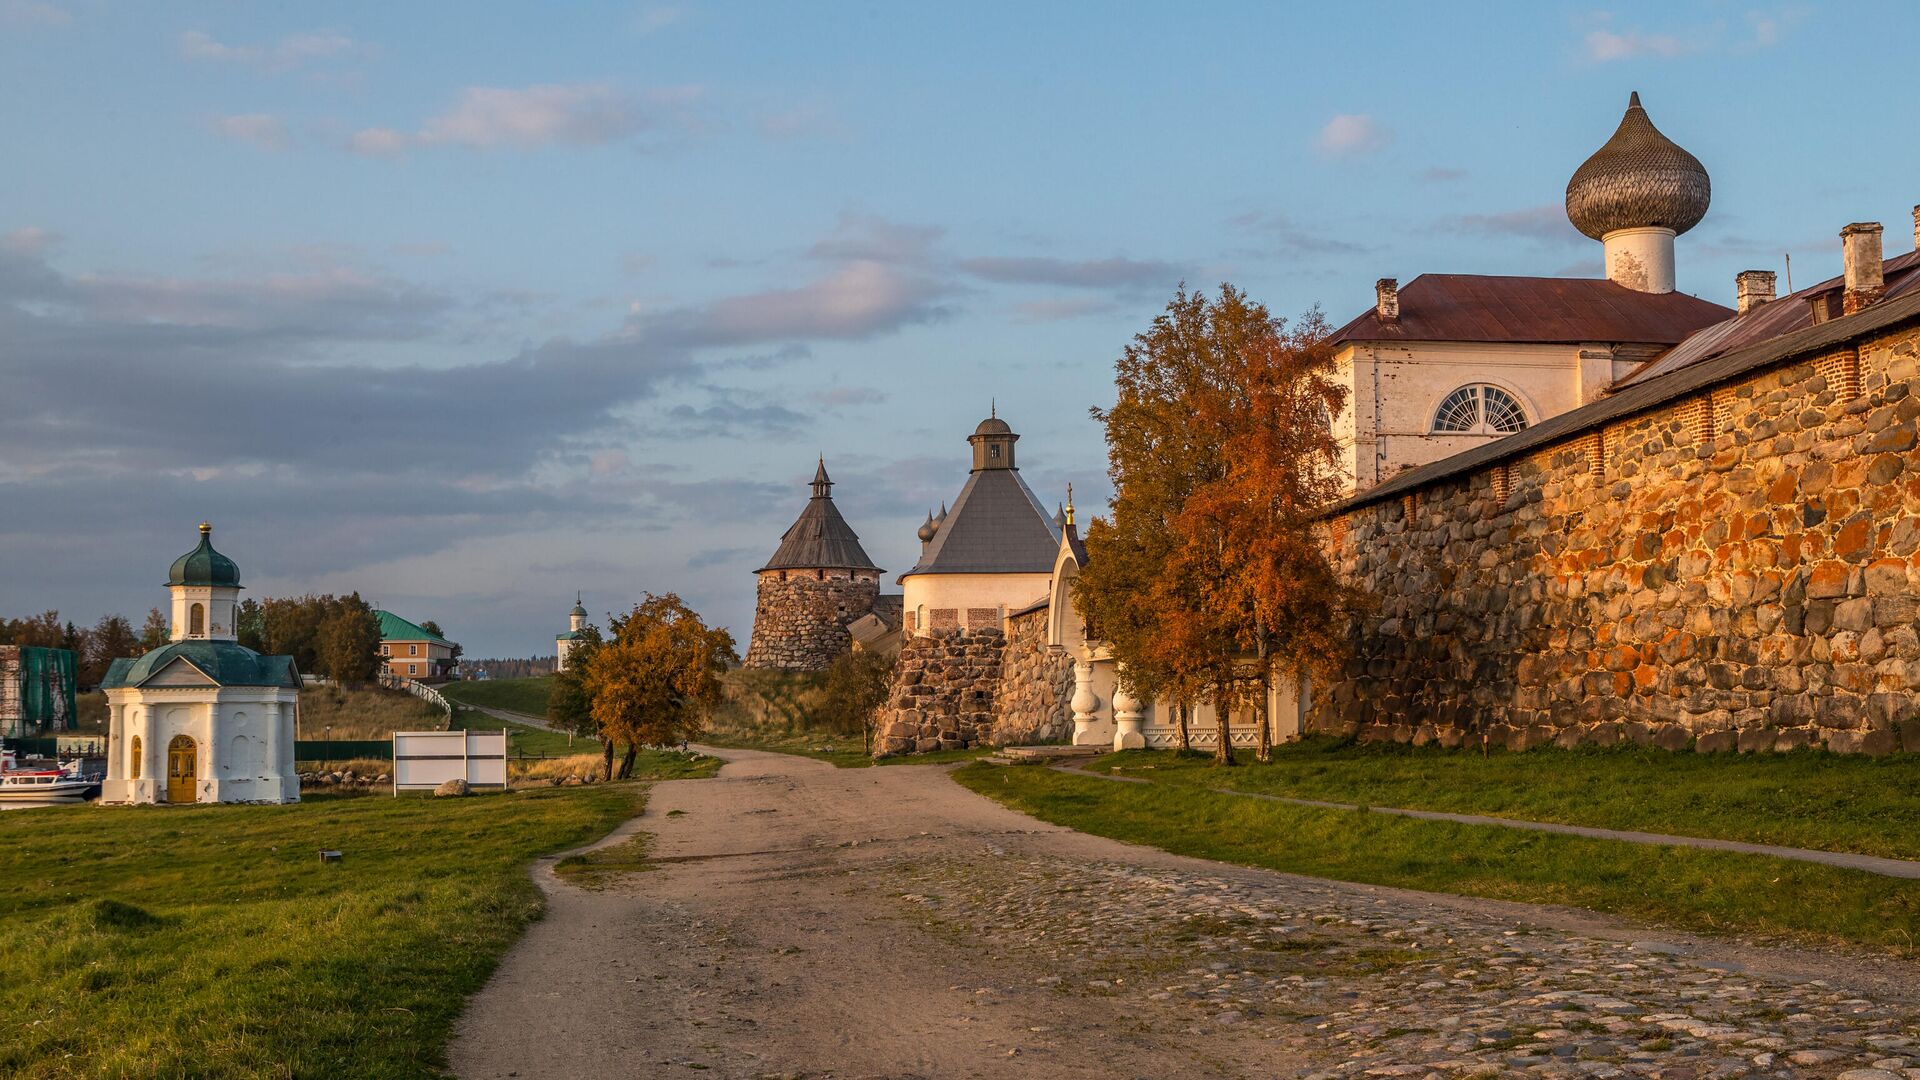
[1475,307]
[1770,320]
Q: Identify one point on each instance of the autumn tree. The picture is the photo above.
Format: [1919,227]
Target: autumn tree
[112,638]
[657,679]
[569,705]
[1180,582]
[348,649]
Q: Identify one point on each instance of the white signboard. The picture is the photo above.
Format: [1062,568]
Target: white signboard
[427,759]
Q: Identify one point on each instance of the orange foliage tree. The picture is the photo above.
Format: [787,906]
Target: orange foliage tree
[1207,578]
[657,679]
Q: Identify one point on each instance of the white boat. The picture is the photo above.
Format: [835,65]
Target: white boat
[19,785]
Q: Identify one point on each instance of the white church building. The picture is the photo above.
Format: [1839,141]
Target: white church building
[202,719]
[563,643]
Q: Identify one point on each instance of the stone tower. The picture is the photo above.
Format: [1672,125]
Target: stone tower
[816,583]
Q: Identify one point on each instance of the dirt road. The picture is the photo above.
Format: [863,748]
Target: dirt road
[808,921]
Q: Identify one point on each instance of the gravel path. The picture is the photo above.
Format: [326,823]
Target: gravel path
[815,922]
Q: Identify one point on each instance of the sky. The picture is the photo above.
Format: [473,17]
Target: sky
[466,307]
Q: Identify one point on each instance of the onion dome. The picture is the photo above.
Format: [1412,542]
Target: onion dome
[579,608]
[203,565]
[926,531]
[1639,179]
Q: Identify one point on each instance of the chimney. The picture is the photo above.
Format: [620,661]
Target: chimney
[1751,288]
[1860,252]
[1386,299]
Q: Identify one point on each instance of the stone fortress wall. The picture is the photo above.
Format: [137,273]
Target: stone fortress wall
[800,617]
[1032,699]
[1737,569]
[942,696]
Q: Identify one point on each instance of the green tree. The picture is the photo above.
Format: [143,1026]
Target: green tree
[154,631]
[655,682]
[250,625]
[349,642]
[569,705]
[852,693]
[112,638]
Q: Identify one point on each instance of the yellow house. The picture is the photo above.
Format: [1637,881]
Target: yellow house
[413,652]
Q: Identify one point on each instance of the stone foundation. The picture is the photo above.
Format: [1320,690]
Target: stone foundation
[943,693]
[1739,569]
[800,617]
[1031,702]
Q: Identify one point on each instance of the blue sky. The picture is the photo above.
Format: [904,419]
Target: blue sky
[466,307]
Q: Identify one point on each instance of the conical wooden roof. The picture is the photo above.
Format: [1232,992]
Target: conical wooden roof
[820,539]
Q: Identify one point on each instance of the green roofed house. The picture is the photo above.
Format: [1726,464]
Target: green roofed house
[202,718]
[411,651]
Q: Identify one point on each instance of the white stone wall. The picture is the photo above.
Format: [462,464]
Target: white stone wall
[961,593]
[243,743]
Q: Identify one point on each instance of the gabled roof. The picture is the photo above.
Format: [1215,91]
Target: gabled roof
[1773,319]
[996,526]
[1533,310]
[395,628]
[227,663]
[820,539]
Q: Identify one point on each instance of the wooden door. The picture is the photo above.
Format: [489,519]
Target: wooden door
[180,769]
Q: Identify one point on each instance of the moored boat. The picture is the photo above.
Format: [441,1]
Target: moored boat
[18,785]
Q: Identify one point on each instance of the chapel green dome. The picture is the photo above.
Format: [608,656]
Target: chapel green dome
[203,565]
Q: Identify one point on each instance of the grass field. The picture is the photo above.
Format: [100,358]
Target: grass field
[523,739]
[369,713]
[1716,892]
[515,695]
[212,942]
[1807,798]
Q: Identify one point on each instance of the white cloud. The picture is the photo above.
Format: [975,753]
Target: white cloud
[260,129]
[289,52]
[31,14]
[1114,273]
[859,300]
[1604,46]
[578,114]
[1352,134]
[30,241]
[1545,222]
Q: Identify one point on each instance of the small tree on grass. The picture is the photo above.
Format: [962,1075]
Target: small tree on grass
[658,678]
[852,693]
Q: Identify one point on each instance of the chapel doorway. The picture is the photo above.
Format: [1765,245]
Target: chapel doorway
[180,769]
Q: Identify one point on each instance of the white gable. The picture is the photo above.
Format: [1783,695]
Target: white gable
[179,673]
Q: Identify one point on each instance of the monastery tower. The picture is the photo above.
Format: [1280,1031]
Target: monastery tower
[816,583]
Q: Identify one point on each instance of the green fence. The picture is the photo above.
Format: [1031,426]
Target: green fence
[342,749]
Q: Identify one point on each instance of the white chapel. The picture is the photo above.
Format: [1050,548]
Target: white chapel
[203,718]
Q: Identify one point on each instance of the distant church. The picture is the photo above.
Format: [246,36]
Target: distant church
[563,643]
[202,718]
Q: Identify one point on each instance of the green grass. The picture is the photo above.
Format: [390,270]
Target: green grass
[524,739]
[212,942]
[845,753]
[515,695]
[1808,798]
[1709,891]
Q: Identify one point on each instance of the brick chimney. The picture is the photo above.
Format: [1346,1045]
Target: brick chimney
[1751,288]
[1860,254]
[1386,299]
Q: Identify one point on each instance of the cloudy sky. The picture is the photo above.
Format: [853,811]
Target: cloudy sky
[466,307]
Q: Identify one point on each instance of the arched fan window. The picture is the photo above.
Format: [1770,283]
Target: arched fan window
[1480,410]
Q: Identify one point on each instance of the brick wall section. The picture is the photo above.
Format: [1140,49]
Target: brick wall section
[1031,703]
[800,623]
[1749,581]
[943,692]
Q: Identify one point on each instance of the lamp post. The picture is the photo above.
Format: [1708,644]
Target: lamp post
[326,748]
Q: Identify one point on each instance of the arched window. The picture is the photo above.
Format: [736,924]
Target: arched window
[1479,410]
[197,621]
